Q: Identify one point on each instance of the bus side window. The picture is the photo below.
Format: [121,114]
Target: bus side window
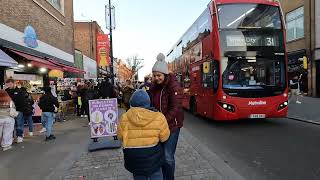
[216,75]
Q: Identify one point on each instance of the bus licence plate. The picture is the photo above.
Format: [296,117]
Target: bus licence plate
[256,116]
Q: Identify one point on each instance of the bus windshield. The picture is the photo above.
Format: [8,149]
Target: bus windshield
[246,16]
[253,73]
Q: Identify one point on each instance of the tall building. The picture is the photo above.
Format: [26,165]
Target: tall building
[85,38]
[303,42]
[38,33]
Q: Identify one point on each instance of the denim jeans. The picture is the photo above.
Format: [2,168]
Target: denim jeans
[169,147]
[155,176]
[28,119]
[19,124]
[48,118]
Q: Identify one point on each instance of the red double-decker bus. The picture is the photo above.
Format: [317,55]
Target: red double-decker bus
[232,61]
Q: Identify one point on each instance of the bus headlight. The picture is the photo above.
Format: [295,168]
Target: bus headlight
[283,105]
[227,107]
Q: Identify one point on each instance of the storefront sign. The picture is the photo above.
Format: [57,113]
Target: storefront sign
[30,37]
[103,117]
[90,67]
[103,48]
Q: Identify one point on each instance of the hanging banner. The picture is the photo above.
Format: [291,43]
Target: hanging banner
[103,50]
[103,117]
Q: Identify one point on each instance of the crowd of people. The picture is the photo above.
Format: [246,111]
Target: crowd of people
[149,129]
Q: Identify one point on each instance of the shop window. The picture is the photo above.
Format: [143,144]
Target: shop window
[295,24]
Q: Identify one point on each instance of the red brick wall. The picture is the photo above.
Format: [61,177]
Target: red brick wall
[55,29]
[85,37]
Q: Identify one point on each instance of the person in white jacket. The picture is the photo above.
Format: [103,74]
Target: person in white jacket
[6,121]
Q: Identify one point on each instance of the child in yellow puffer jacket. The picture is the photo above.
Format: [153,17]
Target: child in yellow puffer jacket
[142,129]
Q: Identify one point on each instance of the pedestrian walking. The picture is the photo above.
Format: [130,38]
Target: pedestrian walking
[48,104]
[142,130]
[166,95]
[146,85]
[6,120]
[127,91]
[18,97]
[295,88]
[28,112]
[90,95]
[106,89]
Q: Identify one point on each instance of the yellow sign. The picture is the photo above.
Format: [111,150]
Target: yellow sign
[305,62]
[206,67]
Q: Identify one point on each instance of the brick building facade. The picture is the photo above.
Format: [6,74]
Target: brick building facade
[302,17]
[85,37]
[38,35]
[52,23]
[123,71]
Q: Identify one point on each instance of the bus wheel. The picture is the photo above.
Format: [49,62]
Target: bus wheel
[193,105]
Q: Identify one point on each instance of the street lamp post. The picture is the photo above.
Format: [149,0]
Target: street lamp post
[111,25]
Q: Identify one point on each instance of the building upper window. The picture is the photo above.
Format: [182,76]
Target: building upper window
[295,24]
[58,4]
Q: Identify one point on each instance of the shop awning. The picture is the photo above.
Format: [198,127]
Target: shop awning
[39,62]
[68,68]
[6,60]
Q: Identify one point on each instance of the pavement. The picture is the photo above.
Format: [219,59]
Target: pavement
[194,161]
[35,159]
[307,111]
[67,158]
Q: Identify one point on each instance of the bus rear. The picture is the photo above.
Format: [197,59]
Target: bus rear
[253,63]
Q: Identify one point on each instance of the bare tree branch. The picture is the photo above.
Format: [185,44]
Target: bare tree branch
[135,64]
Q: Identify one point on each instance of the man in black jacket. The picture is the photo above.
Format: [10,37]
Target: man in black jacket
[48,104]
[18,96]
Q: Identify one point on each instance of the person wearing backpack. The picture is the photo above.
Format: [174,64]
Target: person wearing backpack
[142,129]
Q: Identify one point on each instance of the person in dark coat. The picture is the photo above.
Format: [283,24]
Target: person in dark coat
[127,92]
[91,94]
[106,89]
[18,96]
[166,95]
[49,105]
[28,112]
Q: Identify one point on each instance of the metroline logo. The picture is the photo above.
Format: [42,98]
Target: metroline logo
[257,103]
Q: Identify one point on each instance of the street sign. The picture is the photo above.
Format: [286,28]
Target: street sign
[206,67]
[113,19]
[103,117]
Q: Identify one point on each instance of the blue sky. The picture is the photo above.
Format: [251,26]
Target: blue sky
[143,27]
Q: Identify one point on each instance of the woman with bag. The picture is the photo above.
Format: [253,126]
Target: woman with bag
[7,115]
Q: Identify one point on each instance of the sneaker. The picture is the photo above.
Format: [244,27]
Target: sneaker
[7,148]
[82,116]
[43,130]
[298,102]
[19,139]
[30,133]
[51,137]
[85,116]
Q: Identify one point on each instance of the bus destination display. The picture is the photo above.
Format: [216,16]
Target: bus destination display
[251,40]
